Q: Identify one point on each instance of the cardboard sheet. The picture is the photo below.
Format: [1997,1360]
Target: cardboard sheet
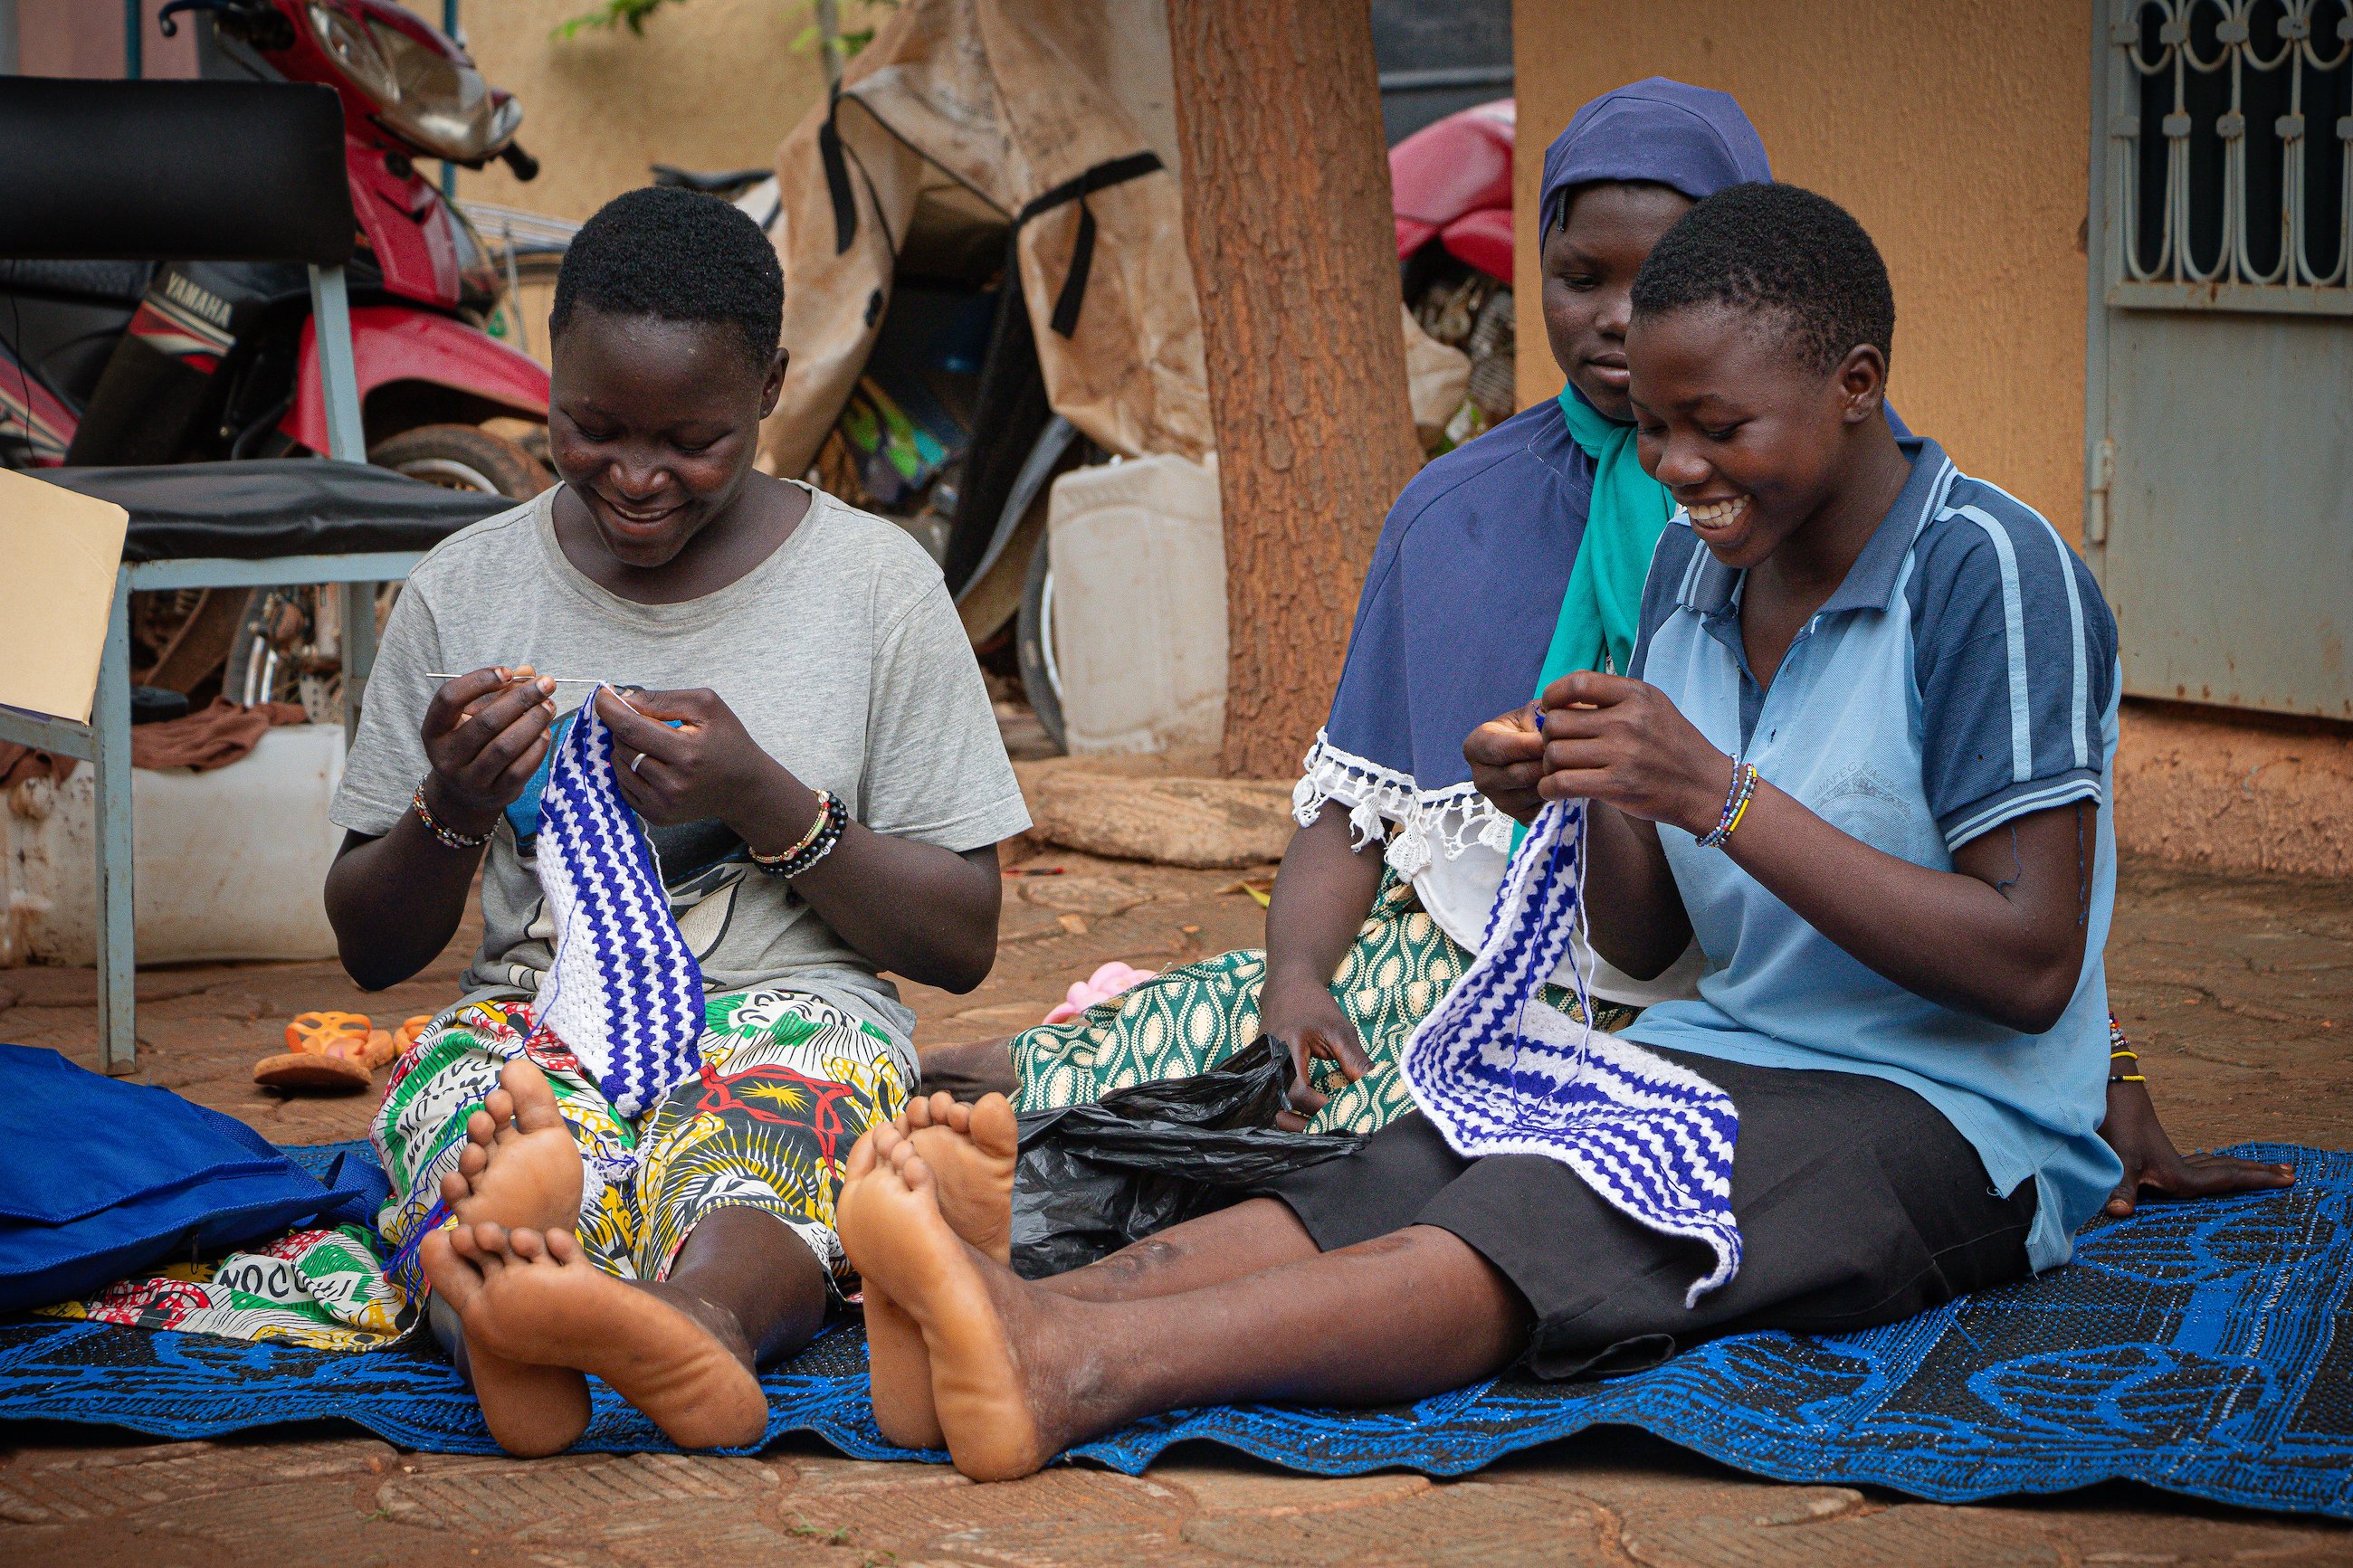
[58,553]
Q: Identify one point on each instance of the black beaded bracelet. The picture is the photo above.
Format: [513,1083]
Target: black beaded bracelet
[832,818]
[449,836]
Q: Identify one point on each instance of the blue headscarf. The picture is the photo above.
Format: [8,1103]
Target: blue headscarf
[1468,581]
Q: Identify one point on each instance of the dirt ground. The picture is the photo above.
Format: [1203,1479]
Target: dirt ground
[2239,991]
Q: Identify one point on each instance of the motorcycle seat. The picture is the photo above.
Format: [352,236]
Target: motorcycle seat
[116,282]
[264,508]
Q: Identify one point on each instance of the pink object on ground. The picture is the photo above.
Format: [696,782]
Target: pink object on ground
[1101,986]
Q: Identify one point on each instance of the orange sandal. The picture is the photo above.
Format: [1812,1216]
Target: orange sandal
[312,1034]
[329,1052]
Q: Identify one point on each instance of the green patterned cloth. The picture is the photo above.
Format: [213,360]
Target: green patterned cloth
[1187,1020]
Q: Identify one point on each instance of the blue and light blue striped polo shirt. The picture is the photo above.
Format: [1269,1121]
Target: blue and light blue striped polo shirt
[1962,676]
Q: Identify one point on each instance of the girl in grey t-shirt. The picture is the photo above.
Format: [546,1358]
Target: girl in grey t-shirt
[812,750]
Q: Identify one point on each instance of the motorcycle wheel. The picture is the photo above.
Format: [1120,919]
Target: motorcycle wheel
[1033,641]
[455,456]
[463,458]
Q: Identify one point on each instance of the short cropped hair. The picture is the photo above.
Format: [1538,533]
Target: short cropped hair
[1781,249]
[678,255]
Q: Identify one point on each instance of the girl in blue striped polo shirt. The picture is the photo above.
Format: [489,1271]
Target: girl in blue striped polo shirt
[1861,757]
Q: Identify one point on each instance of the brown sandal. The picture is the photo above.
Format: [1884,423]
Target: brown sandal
[319,1072]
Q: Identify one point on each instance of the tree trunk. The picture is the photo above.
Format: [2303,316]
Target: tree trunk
[1287,227]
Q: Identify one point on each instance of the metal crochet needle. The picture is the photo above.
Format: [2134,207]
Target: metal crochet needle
[559,679]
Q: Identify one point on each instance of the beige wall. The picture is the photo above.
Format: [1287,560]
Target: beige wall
[710,84]
[1955,131]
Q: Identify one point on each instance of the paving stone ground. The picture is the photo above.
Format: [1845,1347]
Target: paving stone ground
[2240,990]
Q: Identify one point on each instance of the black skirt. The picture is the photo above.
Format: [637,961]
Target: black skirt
[1858,1203]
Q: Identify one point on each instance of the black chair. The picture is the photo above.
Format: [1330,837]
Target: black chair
[173,171]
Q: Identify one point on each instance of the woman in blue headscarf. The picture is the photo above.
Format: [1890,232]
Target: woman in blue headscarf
[1506,564]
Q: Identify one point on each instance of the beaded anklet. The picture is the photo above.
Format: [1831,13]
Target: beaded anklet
[1736,803]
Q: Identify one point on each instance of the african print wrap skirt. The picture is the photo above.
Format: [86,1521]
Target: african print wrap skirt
[1189,1019]
[788,1085]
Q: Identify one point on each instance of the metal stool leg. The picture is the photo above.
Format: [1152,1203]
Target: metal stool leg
[117,963]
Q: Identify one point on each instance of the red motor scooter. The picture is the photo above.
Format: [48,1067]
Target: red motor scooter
[111,363]
[107,362]
[1450,191]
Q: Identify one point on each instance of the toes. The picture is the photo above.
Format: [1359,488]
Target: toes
[455,1189]
[915,1173]
[888,1138]
[563,1246]
[501,1105]
[480,1128]
[461,1237]
[492,1237]
[917,1115]
[994,1126]
[535,1109]
[459,1283]
[948,1112]
[527,1244]
[861,1157]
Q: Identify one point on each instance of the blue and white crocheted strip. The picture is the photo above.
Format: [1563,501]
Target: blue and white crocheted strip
[1500,1072]
[625,994]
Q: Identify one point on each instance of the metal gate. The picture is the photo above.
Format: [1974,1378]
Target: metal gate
[2219,399]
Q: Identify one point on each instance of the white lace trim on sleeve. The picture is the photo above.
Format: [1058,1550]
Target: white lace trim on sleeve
[1427,821]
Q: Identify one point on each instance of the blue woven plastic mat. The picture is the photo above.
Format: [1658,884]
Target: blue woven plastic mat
[2199,1348]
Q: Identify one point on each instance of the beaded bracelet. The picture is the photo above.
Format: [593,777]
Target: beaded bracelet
[1736,803]
[824,833]
[2119,1046]
[449,836]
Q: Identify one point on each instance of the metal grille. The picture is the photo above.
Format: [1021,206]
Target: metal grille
[2233,187]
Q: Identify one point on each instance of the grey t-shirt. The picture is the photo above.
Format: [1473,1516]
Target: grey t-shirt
[842,655]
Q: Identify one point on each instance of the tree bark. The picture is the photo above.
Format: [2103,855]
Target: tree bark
[1287,223]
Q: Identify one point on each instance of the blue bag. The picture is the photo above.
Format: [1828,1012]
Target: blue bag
[99,1180]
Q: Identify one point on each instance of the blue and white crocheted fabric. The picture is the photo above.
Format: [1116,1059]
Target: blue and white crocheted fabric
[624,995]
[1500,1072]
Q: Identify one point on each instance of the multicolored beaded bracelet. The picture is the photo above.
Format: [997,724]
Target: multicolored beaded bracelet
[449,836]
[824,833]
[1736,803]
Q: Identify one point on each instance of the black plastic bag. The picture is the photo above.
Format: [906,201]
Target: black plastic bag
[1094,1178]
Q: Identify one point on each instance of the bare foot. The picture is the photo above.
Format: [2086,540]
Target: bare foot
[898,1368]
[520,1166]
[997,1419]
[971,1149]
[542,1302]
[532,1411]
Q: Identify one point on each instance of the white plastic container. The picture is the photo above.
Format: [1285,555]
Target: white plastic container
[1138,552]
[229,864]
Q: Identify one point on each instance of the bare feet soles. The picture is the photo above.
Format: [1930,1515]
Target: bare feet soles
[533,1298]
[531,1411]
[892,1224]
[520,1167]
[971,1149]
